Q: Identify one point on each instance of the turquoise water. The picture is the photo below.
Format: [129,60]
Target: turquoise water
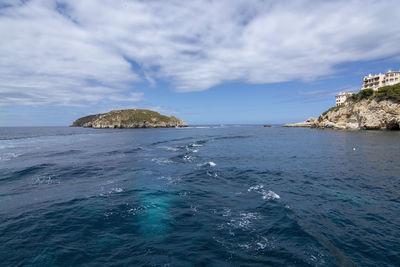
[215,196]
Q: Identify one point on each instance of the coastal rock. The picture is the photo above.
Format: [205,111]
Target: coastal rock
[129,118]
[368,114]
[308,123]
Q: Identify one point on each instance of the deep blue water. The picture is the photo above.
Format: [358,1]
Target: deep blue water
[214,196]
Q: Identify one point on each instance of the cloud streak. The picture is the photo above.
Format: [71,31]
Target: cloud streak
[81,52]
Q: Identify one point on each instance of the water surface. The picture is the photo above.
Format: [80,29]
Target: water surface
[217,196]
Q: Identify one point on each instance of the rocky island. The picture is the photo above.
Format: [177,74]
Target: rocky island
[129,118]
[367,110]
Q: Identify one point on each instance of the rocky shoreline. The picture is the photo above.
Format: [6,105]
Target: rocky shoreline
[308,123]
[129,118]
[366,114]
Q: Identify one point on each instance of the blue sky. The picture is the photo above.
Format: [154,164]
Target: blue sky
[207,62]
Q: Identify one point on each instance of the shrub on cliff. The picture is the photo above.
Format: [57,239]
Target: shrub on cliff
[335,108]
[363,94]
[389,92]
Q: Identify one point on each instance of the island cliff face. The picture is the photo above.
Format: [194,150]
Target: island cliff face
[367,114]
[129,118]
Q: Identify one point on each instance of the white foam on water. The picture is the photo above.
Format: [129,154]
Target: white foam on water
[261,245]
[36,180]
[264,243]
[171,148]
[212,174]
[227,212]
[161,161]
[246,246]
[255,187]
[188,158]
[107,182]
[313,258]
[212,164]
[116,190]
[196,145]
[184,194]
[193,208]
[245,220]
[135,210]
[192,147]
[108,213]
[267,195]
[170,179]
[8,156]
[7,144]
[270,195]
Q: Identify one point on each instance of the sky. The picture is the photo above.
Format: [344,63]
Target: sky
[206,62]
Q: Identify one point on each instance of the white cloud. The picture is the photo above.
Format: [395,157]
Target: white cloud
[132,97]
[76,52]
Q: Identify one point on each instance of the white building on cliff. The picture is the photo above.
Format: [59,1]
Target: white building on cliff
[372,82]
[341,98]
[379,80]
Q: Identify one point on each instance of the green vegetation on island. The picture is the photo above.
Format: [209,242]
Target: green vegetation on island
[389,92]
[129,118]
[363,94]
[335,108]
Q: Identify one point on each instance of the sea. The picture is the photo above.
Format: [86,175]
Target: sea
[233,195]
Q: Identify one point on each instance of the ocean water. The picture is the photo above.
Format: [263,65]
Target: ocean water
[203,196]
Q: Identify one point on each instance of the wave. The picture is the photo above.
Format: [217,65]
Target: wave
[121,152]
[23,173]
[64,153]
[133,150]
[9,156]
[61,133]
[171,140]
[192,147]
[32,170]
[232,137]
